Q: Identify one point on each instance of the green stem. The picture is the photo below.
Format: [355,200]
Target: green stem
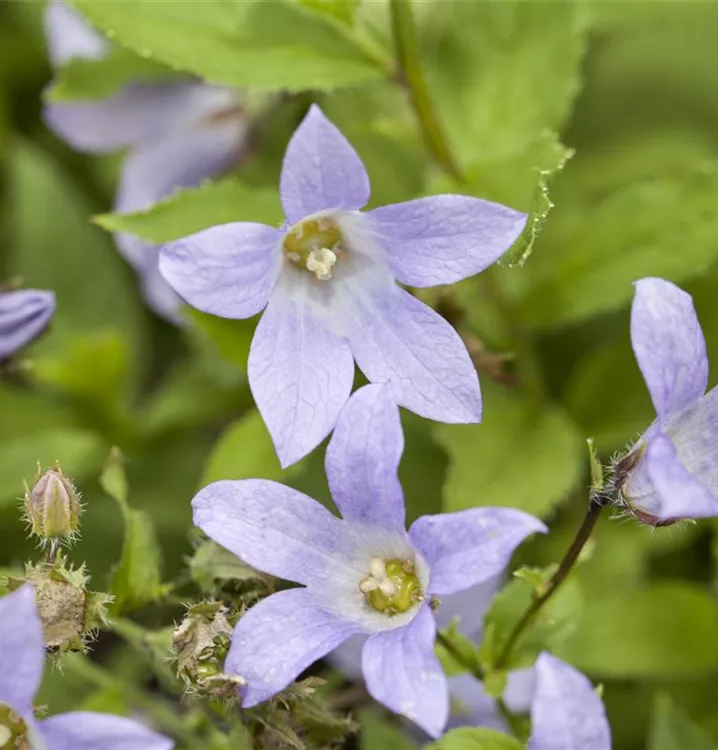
[161,713]
[565,567]
[473,669]
[407,53]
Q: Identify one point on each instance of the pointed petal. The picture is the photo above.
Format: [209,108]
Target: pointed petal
[363,458]
[321,170]
[679,493]
[471,546]
[397,339]
[141,114]
[471,705]
[275,529]
[87,730]
[444,238]
[69,36]
[22,649]
[402,672]
[566,713]
[24,315]
[278,639]
[669,345]
[300,372]
[228,270]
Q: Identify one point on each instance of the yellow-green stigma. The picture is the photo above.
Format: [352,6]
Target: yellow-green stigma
[13,730]
[392,586]
[314,246]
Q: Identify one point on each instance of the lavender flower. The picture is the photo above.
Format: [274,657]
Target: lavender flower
[22,653]
[361,575]
[327,279]
[24,315]
[178,134]
[566,712]
[672,472]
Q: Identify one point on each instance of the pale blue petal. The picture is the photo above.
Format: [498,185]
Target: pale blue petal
[24,315]
[87,730]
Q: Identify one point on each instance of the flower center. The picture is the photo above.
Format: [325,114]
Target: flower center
[313,245]
[13,730]
[392,586]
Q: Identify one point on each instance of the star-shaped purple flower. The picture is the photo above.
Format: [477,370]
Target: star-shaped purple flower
[566,712]
[672,471]
[178,133]
[364,574]
[22,654]
[24,315]
[328,281]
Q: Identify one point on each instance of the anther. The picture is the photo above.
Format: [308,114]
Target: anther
[320,262]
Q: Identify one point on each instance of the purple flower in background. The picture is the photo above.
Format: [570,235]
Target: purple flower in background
[22,654]
[361,575]
[672,472]
[566,712]
[24,315]
[328,281]
[178,133]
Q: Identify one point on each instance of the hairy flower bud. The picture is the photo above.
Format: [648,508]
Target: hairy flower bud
[52,506]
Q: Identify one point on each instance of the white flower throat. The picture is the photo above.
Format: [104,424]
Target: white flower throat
[314,245]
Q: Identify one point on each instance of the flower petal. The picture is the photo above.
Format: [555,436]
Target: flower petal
[300,372]
[679,493]
[470,546]
[140,114]
[69,36]
[363,458]
[22,649]
[566,713]
[228,270]
[87,730]
[442,239]
[669,345]
[321,170]
[278,639]
[275,529]
[397,339]
[402,672]
[24,315]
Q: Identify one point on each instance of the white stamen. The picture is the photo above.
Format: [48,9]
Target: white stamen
[320,262]
[388,587]
[378,569]
[367,585]
[5,735]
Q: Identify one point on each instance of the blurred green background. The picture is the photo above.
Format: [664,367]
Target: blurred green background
[629,91]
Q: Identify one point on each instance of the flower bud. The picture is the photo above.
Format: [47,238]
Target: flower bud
[52,506]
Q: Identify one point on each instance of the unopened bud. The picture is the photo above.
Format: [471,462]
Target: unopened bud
[52,506]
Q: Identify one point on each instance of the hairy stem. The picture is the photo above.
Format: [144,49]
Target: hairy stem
[565,567]
[412,76]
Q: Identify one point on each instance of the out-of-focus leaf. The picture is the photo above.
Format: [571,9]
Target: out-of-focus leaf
[475,738]
[516,458]
[554,623]
[246,451]
[673,729]
[377,732]
[461,644]
[136,580]
[84,79]
[212,563]
[666,630]
[340,10]
[253,44]
[664,226]
[193,209]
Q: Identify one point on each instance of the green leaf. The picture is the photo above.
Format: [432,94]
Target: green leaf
[663,226]
[136,580]
[245,450]
[471,738]
[667,630]
[516,458]
[212,563]
[554,623]
[85,79]
[378,733]
[191,210]
[340,10]
[673,729]
[254,44]
[461,644]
